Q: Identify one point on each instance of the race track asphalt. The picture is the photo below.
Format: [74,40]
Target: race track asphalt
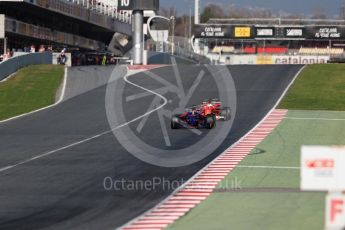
[64,190]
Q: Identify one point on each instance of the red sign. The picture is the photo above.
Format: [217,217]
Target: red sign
[320,164]
[335,211]
[336,208]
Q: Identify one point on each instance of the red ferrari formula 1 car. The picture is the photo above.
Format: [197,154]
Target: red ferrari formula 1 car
[215,107]
[193,118]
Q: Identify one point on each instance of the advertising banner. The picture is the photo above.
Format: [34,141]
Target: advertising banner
[294,32]
[300,59]
[264,60]
[325,32]
[253,59]
[322,168]
[212,31]
[242,60]
[264,32]
[242,32]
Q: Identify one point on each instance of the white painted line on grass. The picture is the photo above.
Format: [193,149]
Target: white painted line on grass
[268,167]
[314,118]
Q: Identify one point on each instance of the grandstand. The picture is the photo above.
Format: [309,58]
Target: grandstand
[88,25]
[273,36]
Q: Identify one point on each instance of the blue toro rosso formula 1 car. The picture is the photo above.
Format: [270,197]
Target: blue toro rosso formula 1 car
[193,118]
[202,116]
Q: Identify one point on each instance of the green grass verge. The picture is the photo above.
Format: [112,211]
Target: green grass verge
[32,88]
[276,207]
[255,211]
[319,87]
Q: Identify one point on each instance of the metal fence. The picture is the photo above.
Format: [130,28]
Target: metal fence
[182,48]
[12,65]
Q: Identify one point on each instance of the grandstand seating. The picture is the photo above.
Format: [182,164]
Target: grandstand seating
[249,50]
[273,50]
[224,49]
[269,50]
[321,51]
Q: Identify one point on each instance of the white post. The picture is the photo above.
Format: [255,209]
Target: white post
[197,12]
[172,18]
[190,23]
[196,22]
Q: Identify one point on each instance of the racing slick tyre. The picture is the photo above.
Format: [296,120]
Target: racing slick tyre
[175,122]
[210,122]
[226,113]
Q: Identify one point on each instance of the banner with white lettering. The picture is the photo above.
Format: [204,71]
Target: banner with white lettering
[212,31]
[294,32]
[264,32]
[325,32]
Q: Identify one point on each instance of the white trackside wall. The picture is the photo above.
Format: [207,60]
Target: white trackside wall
[237,59]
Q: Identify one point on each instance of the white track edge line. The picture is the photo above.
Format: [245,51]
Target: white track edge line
[62,95]
[267,167]
[90,138]
[199,172]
